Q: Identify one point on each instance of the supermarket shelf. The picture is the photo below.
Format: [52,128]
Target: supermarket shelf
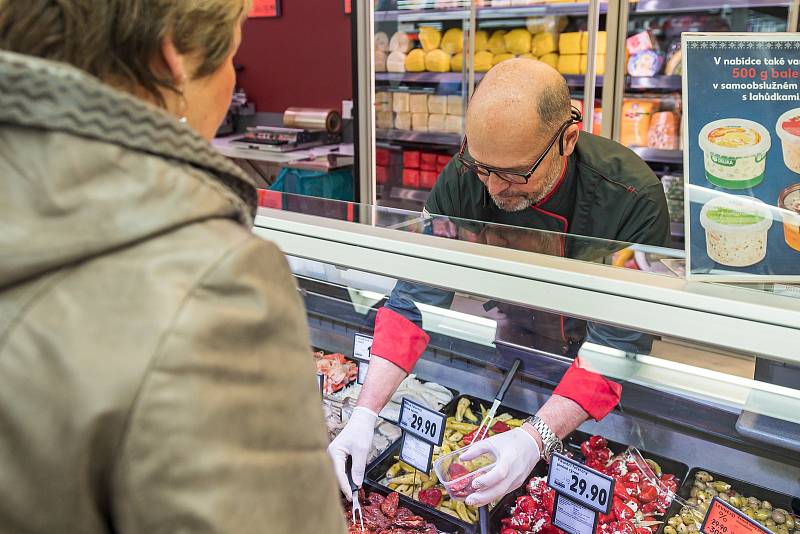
[655,155]
[429,138]
[456,77]
[654,82]
[651,6]
[408,15]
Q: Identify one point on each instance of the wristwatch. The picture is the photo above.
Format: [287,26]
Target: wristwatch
[550,442]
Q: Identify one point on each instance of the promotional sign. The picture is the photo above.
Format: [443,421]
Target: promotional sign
[722,518]
[265,8]
[581,484]
[741,133]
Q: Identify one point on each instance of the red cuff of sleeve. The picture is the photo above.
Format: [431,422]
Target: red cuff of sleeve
[594,393]
[398,340]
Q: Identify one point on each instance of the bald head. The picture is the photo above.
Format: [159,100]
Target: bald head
[515,110]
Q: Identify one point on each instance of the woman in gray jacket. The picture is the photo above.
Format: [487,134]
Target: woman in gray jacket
[155,371]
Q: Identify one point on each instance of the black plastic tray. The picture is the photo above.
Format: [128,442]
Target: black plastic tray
[443,522]
[573,445]
[376,471]
[777,499]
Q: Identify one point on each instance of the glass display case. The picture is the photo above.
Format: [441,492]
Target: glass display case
[710,373]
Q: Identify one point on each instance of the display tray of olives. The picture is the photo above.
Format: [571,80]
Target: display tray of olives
[771,509]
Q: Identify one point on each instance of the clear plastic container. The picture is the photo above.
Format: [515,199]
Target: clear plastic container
[736,230]
[735,152]
[789,200]
[457,476]
[788,130]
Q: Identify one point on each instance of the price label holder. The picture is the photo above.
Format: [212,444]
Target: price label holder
[722,518]
[361,354]
[573,517]
[583,485]
[422,422]
[416,452]
[321,383]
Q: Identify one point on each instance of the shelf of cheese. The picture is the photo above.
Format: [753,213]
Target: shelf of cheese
[495,10]
[423,138]
[454,77]
[676,6]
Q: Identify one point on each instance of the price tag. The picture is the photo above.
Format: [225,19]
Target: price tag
[580,483]
[722,518]
[321,382]
[362,372]
[572,517]
[423,422]
[361,347]
[416,452]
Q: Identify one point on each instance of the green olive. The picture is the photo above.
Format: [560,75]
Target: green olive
[782,529]
[749,512]
[687,518]
[693,502]
[736,501]
[766,505]
[770,524]
[670,530]
[790,522]
[779,517]
[703,496]
[762,514]
[674,521]
[699,484]
[693,529]
[704,506]
[682,529]
[694,492]
[703,476]
[755,504]
[721,486]
[724,497]
[711,493]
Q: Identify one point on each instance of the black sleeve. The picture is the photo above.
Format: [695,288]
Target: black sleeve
[444,197]
[648,220]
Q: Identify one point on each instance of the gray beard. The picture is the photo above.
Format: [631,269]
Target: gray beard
[512,205]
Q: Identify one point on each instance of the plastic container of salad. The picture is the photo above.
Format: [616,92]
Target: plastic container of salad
[735,152]
[736,229]
[456,475]
[788,130]
[789,201]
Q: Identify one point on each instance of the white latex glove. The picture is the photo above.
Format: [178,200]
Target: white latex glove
[517,453]
[355,441]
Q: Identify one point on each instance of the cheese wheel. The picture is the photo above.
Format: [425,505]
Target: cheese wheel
[380,61]
[415,61]
[429,38]
[402,121]
[544,43]
[453,41]
[599,64]
[499,58]
[418,103]
[401,102]
[570,43]
[437,61]
[436,122]
[481,40]
[437,104]
[550,59]
[400,42]
[396,62]
[381,42]
[497,43]
[527,56]
[569,64]
[384,119]
[518,41]
[483,61]
[457,62]
[601,42]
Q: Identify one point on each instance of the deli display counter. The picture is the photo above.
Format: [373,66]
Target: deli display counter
[685,353]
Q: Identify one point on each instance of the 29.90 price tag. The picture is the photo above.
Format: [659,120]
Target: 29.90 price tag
[580,483]
[422,422]
[722,518]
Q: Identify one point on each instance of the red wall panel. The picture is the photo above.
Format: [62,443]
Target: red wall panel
[302,58]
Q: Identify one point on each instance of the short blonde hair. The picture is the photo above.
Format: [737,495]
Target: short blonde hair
[117,40]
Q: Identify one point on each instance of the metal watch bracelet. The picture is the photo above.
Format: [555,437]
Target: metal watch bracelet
[550,442]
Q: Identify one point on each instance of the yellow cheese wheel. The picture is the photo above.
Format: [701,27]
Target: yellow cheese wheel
[527,56]
[453,41]
[544,43]
[518,41]
[499,58]
[569,64]
[570,43]
[415,60]
[457,62]
[497,43]
[483,61]
[437,61]
[599,64]
[601,42]
[430,38]
[550,59]
[396,62]
[481,40]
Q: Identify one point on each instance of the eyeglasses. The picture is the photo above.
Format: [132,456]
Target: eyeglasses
[511,175]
